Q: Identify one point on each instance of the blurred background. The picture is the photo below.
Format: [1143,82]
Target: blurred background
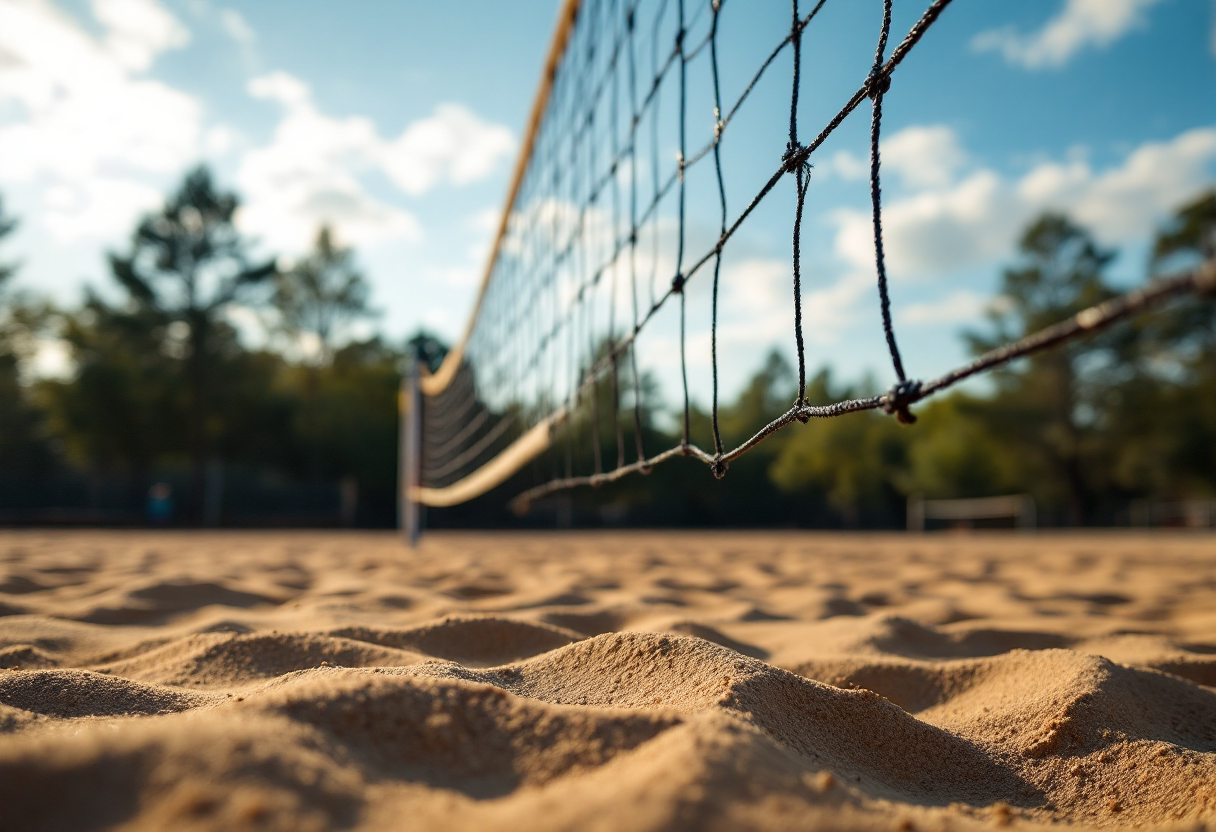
[222,228]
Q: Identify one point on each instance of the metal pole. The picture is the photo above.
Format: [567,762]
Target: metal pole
[411,451]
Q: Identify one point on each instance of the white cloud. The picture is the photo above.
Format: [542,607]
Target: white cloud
[934,230]
[962,305]
[923,156]
[99,207]
[1079,24]
[453,144]
[220,139]
[485,221]
[281,87]
[87,127]
[139,30]
[463,276]
[757,304]
[236,27]
[1125,201]
[978,218]
[918,156]
[308,175]
[845,165]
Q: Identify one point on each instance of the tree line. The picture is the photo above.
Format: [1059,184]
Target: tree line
[164,387]
[164,384]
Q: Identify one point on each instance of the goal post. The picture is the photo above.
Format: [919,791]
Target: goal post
[1020,507]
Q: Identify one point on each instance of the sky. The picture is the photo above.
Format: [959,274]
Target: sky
[399,123]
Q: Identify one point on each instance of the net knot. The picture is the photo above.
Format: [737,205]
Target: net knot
[718,468]
[878,83]
[899,398]
[791,158]
[677,283]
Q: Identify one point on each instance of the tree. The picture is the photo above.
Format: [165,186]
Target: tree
[1190,235]
[1179,344]
[427,349]
[22,447]
[7,226]
[188,263]
[1186,331]
[123,405]
[321,293]
[1051,405]
[855,461]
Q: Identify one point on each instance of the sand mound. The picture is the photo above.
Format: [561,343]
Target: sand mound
[692,628]
[587,623]
[66,642]
[177,773]
[1190,660]
[451,734]
[477,642]
[77,693]
[161,600]
[632,682]
[228,659]
[853,732]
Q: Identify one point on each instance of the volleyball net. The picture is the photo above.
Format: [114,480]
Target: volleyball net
[603,237]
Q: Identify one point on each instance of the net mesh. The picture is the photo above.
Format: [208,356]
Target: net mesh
[604,234]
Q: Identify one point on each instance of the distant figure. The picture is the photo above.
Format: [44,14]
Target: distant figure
[160,504]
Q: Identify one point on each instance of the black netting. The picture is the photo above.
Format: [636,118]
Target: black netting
[597,250]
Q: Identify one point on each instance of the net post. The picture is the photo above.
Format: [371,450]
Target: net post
[410,405]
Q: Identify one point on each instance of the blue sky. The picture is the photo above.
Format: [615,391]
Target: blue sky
[399,123]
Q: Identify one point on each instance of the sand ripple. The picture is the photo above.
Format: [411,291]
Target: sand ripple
[628,682]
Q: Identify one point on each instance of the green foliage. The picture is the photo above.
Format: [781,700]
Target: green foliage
[321,293]
[121,407]
[349,418]
[856,460]
[23,442]
[954,452]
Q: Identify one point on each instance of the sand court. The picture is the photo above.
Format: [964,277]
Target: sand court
[606,681]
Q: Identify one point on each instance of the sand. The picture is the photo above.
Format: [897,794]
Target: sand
[765,681]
